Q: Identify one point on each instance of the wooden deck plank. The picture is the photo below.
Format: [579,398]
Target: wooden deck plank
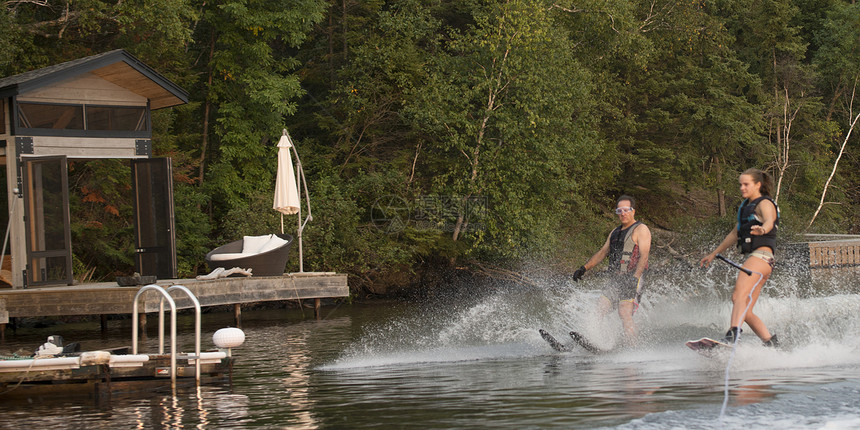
[108,298]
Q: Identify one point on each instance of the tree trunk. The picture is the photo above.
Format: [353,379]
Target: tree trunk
[833,172]
[721,198]
[343,24]
[784,143]
[461,217]
[492,96]
[721,193]
[331,69]
[206,109]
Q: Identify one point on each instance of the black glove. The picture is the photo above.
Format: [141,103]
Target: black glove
[578,274]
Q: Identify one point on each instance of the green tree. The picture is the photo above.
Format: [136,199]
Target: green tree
[674,97]
[837,61]
[242,52]
[708,101]
[41,33]
[505,140]
[838,56]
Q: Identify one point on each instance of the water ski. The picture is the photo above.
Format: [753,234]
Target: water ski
[555,344]
[707,346]
[585,344]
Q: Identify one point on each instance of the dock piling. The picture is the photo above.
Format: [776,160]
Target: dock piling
[237,314]
[142,323]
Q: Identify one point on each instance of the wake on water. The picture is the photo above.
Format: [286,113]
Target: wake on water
[817,331]
[504,322]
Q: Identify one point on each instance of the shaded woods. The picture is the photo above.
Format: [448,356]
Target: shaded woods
[491,135]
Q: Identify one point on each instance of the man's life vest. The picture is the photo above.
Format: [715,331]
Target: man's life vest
[623,253]
[747,219]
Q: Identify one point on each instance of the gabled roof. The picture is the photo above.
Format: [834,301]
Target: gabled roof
[117,66]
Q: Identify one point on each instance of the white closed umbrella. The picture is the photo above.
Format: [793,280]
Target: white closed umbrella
[287,189]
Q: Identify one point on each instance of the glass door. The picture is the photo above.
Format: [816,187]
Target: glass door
[155,237]
[46,216]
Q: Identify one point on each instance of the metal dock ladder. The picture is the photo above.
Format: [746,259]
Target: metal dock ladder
[165,296]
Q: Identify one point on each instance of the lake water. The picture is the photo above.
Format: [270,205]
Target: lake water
[473,358]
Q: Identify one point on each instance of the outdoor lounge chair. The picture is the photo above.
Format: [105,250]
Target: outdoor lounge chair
[265,255]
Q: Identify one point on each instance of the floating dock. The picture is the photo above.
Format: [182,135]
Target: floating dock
[108,298]
[101,373]
[56,368]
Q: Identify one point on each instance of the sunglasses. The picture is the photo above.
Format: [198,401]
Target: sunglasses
[623,210]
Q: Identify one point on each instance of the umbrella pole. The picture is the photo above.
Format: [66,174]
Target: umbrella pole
[300,182]
[299,230]
[299,175]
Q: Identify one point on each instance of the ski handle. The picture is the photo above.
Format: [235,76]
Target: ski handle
[736,265]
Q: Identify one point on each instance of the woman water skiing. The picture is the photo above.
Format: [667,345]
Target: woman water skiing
[755,234]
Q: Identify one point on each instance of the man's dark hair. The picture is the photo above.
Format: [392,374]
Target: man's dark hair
[628,198]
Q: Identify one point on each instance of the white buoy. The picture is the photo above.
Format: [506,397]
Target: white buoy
[227,338]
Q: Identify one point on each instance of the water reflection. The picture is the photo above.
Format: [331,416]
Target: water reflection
[171,412]
[201,411]
[138,417]
[554,367]
[231,407]
[748,394]
[294,350]
[639,392]
[297,382]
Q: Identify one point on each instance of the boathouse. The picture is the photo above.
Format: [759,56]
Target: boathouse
[90,108]
[94,108]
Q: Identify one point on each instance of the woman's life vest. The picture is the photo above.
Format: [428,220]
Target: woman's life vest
[623,253]
[747,218]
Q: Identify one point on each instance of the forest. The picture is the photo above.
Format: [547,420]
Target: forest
[484,135]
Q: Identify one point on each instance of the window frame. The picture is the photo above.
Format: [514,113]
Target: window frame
[21,130]
[146,126]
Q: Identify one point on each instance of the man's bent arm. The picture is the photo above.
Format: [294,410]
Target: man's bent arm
[598,256]
[644,243]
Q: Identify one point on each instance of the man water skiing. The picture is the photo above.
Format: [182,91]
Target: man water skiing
[627,247]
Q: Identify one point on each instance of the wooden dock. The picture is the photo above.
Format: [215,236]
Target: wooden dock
[108,298]
[834,253]
[826,264]
[830,251]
